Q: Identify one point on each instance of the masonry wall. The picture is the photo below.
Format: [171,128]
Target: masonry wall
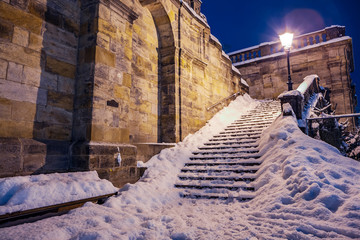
[331,62]
[38,58]
[87,80]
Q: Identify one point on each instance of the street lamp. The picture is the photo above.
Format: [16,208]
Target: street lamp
[286,42]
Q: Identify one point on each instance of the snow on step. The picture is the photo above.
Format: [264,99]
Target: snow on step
[218,194]
[227,156]
[201,184]
[227,164]
[221,168]
[229,176]
[227,151]
[232,146]
[237,134]
[230,143]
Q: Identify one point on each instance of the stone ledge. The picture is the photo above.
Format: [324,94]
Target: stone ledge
[145,151]
[19,156]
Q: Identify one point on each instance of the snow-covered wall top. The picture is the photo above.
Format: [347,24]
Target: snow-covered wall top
[305,41]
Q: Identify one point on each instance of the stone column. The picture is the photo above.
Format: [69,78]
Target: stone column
[101,130]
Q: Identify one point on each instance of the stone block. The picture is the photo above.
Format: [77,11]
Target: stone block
[20,18]
[71,26]
[115,75]
[106,28]
[127,80]
[19,54]
[23,93]
[102,71]
[15,72]
[5,108]
[54,131]
[10,165]
[60,100]
[33,162]
[103,41]
[66,85]
[53,115]
[9,128]
[20,3]
[121,92]
[128,53]
[104,12]
[104,56]
[119,176]
[20,37]
[3,68]
[21,155]
[49,81]
[35,42]
[31,76]
[23,111]
[6,31]
[59,67]
[38,9]
[145,151]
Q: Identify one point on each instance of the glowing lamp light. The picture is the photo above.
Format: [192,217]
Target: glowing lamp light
[286,40]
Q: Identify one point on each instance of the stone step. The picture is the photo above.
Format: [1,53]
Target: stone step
[255,137]
[256,134]
[237,131]
[257,117]
[233,146]
[199,184]
[230,143]
[251,122]
[207,177]
[225,162]
[226,166]
[214,194]
[221,195]
[227,156]
[236,127]
[248,131]
[230,152]
[220,169]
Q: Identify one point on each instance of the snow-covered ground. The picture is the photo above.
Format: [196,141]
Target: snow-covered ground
[35,191]
[306,190]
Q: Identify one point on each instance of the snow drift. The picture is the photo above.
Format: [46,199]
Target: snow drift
[305,190]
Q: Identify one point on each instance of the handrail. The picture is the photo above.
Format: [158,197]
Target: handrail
[299,97]
[223,100]
[335,116]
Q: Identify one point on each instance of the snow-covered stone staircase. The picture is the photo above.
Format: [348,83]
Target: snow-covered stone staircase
[227,164]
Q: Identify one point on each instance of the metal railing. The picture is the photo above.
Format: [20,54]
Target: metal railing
[225,99]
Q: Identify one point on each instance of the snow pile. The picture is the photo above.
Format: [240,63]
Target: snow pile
[29,192]
[305,190]
[308,81]
[307,185]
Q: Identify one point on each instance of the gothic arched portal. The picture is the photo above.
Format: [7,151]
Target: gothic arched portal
[166,73]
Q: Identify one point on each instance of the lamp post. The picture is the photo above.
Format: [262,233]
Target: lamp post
[286,42]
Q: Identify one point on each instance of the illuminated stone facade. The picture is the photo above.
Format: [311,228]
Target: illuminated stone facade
[327,53]
[83,80]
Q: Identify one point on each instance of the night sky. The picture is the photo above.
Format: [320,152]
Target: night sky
[240,24]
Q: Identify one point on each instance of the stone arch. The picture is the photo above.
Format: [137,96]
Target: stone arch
[166,72]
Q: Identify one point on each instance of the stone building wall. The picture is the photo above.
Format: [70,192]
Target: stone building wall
[87,80]
[38,58]
[327,53]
